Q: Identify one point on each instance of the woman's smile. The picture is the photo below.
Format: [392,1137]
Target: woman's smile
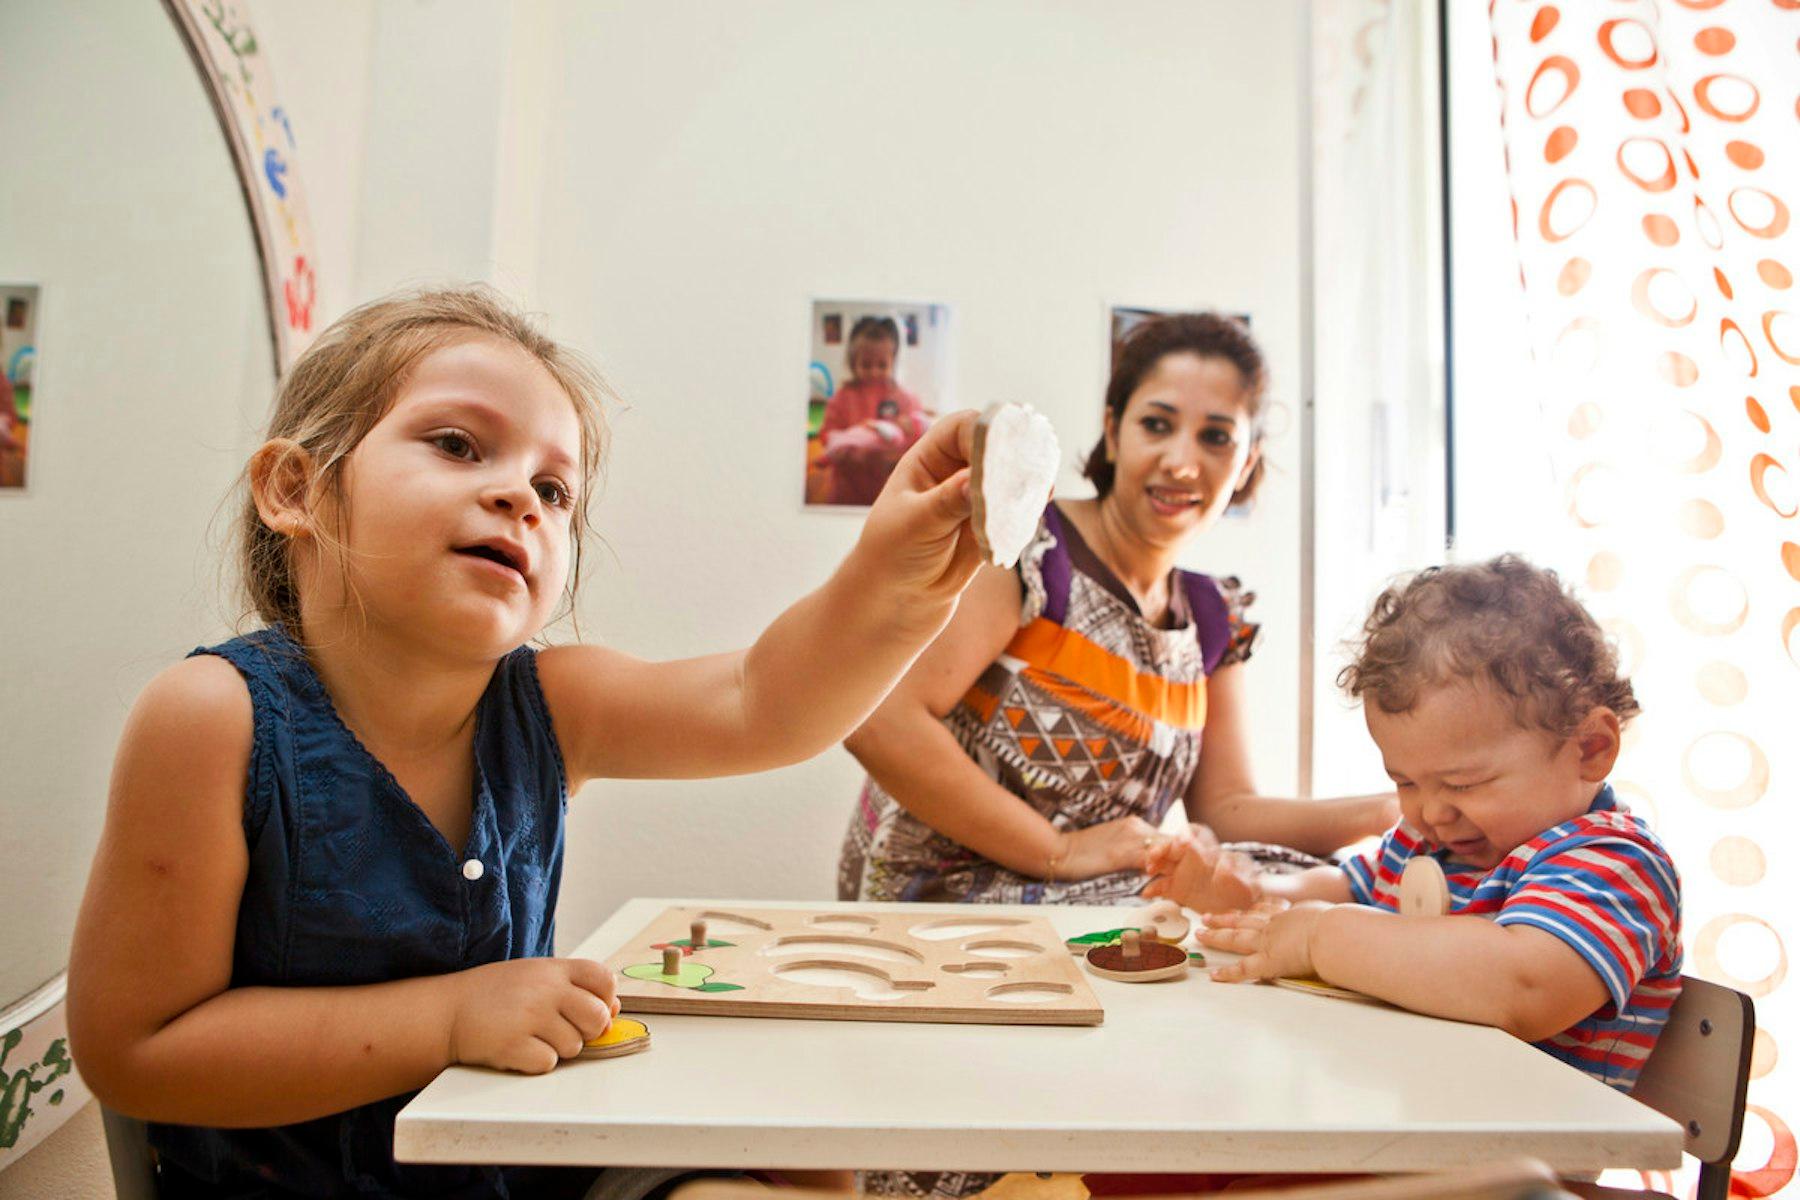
[1173,502]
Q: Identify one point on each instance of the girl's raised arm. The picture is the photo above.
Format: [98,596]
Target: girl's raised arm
[813,675]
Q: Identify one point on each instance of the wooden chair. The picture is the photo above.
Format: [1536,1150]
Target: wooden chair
[1698,1076]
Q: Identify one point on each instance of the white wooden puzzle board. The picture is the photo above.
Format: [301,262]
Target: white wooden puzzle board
[849,966]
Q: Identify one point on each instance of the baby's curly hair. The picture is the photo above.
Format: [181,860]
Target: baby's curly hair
[1504,621]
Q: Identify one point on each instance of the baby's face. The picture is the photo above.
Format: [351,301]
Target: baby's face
[462,498]
[1474,781]
[872,360]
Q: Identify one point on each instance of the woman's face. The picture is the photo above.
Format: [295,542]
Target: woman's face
[1182,446]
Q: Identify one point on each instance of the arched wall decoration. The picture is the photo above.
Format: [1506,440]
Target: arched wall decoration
[37,1076]
[224,46]
[1678,128]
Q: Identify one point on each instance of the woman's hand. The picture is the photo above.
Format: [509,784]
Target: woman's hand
[1197,873]
[1103,849]
[1274,944]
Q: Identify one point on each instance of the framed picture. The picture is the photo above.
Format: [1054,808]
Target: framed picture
[18,366]
[879,375]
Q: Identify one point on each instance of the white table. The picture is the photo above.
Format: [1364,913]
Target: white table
[1189,1075]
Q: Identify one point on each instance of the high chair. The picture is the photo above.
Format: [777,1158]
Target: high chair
[1698,1076]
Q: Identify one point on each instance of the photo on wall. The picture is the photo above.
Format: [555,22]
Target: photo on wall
[18,358]
[880,374]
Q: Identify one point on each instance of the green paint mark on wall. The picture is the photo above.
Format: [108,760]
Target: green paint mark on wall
[18,1087]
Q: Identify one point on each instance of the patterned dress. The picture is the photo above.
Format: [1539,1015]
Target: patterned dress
[1090,714]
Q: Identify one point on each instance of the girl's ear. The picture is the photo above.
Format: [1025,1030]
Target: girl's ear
[1109,432]
[281,481]
[1597,740]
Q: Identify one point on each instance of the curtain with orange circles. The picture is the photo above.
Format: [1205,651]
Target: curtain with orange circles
[1653,153]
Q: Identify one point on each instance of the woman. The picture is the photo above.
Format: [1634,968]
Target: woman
[1031,753]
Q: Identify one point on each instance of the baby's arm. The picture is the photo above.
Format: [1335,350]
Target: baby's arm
[155,1025]
[813,675]
[1523,980]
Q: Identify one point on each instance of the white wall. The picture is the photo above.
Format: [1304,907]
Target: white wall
[152,371]
[1025,163]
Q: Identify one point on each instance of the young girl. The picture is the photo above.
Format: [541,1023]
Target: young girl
[332,850]
[872,420]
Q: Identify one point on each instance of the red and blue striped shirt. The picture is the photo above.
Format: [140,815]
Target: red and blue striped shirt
[1600,883]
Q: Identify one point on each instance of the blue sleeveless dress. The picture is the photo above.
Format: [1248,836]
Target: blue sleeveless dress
[350,883]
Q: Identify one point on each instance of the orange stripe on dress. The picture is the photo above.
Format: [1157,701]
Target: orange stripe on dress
[1058,651]
[1128,723]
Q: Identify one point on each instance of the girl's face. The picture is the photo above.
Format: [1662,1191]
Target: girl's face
[460,501]
[872,360]
[1181,447]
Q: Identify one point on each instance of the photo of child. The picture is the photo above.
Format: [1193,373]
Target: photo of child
[18,354]
[867,402]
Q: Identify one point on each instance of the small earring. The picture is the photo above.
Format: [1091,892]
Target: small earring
[1109,454]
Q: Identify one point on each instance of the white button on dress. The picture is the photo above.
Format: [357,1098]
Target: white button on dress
[473,870]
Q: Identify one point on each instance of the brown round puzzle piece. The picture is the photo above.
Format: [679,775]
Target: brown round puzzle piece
[1154,960]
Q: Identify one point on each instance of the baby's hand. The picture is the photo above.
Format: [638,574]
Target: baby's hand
[916,543]
[528,1014]
[1274,944]
[1200,876]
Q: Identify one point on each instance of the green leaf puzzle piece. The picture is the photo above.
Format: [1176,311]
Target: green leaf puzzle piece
[1103,937]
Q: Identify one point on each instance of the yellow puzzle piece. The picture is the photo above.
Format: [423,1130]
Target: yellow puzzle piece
[623,1036]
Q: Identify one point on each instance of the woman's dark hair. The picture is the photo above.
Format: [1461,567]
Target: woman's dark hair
[1209,335]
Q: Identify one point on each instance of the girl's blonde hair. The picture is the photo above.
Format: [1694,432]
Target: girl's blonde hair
[345,383]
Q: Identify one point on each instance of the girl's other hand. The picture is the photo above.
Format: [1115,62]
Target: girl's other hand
[529,1014]
[917,544]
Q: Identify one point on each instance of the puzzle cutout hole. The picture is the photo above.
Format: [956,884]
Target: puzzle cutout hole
[1029,993]
[1003,949]
[719,922]
[869,983]
[854,946]
[955,927]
